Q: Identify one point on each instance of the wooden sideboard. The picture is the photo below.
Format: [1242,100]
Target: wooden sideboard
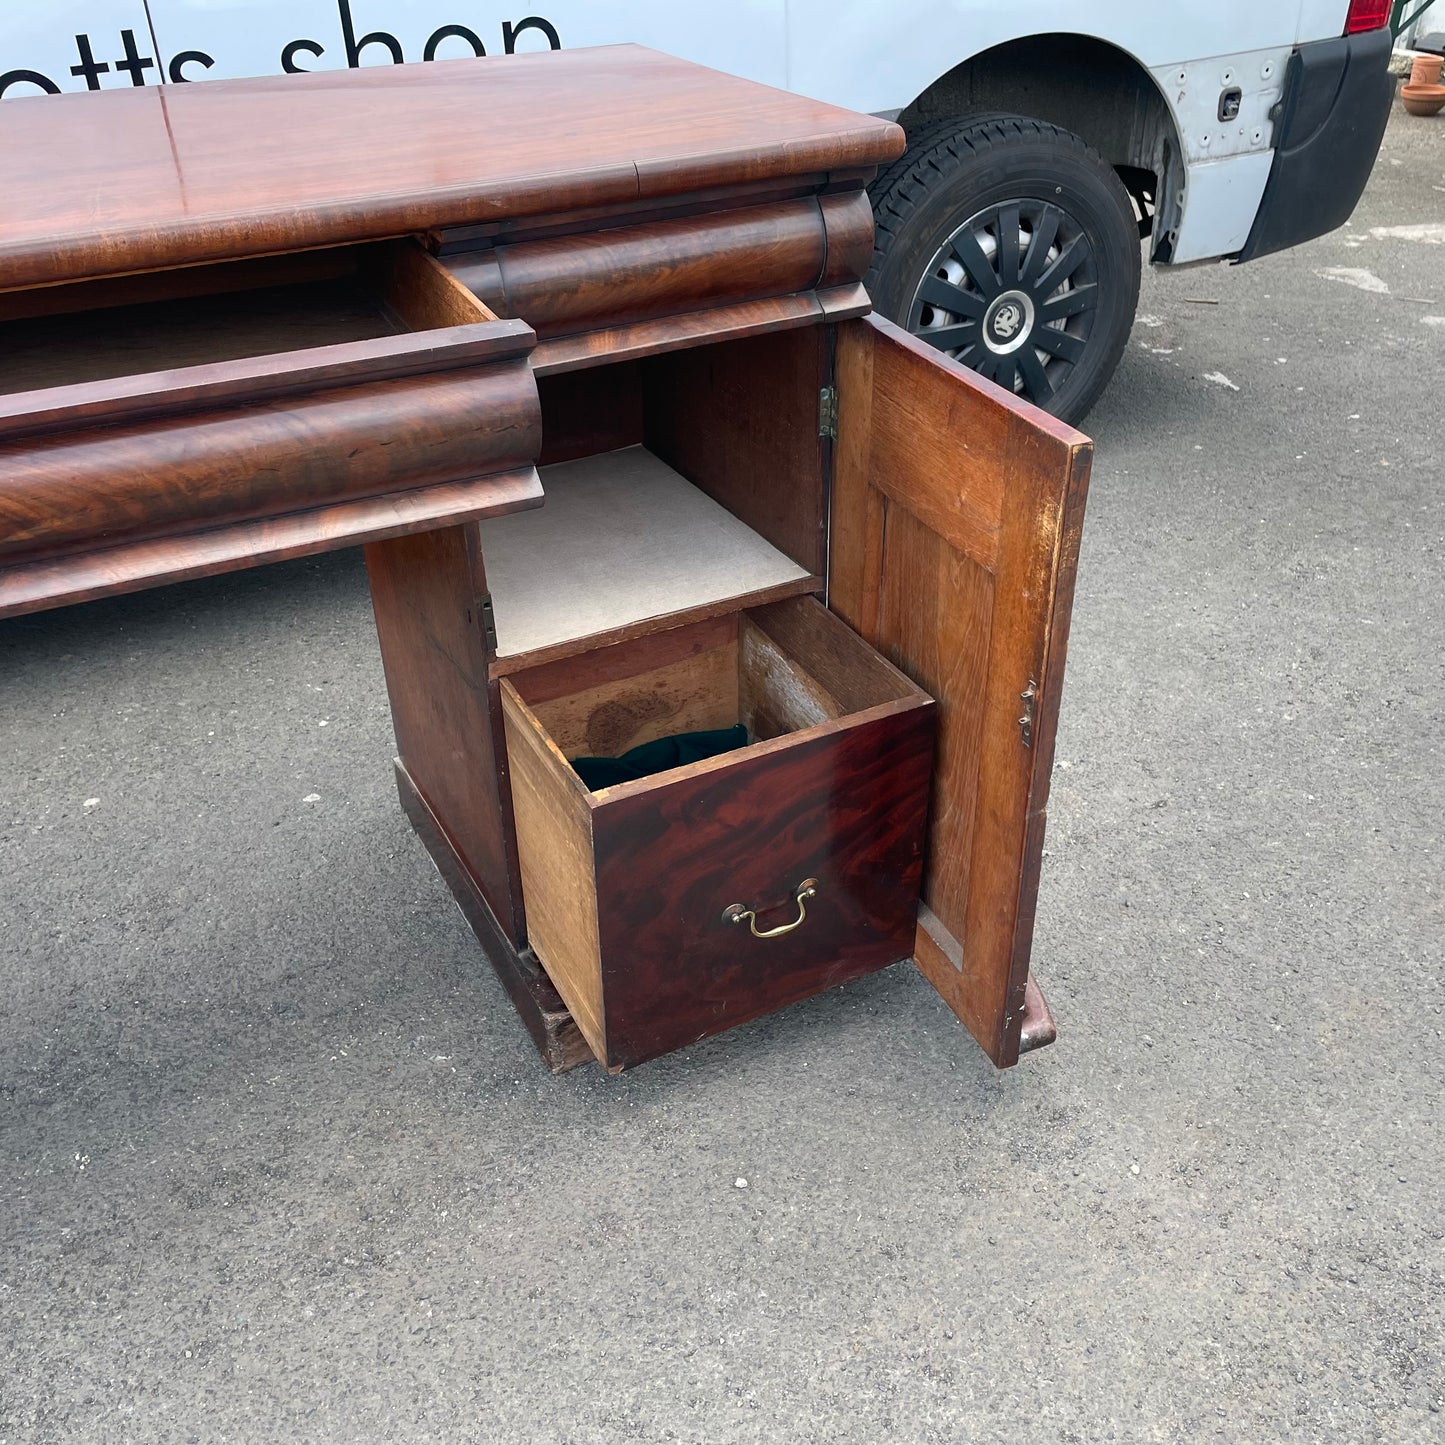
[576,346]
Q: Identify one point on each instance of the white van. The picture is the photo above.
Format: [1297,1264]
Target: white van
[1044,139]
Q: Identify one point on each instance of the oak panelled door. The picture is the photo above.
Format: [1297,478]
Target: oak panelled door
[957,512]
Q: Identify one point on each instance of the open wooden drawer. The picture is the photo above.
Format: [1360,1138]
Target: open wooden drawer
[164,426]
[671,907]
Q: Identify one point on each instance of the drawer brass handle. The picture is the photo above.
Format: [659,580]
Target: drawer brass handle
[738,913]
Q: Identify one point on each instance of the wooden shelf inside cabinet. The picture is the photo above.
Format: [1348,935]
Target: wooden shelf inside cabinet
[622,545]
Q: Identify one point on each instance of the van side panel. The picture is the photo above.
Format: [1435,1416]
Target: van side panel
[254,37]
[856,53]
[879,57]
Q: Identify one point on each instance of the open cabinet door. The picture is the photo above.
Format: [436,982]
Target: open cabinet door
[957,512]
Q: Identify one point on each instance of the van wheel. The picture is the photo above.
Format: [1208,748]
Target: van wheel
[1013,247]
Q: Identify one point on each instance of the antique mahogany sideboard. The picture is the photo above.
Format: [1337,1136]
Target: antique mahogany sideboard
[575,345]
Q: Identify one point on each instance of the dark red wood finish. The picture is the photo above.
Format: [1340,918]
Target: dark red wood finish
[591,411]
[574,283]
[453,240]
[236,463]
[133,566]
[245,167]
[111,485]
[740,421]
[427,592]
[848,222]
[151,394]
[846,806]
[629,205]
[736,320]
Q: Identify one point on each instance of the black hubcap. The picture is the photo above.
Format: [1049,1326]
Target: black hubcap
[1012,293]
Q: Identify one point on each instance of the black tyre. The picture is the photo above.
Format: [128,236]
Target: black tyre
[1012,246]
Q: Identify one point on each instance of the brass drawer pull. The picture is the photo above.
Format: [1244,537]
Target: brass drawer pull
[737,913]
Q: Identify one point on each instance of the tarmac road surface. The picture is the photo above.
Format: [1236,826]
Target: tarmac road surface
[279,1161]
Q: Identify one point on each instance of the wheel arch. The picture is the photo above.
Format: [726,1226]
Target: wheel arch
[1079,83]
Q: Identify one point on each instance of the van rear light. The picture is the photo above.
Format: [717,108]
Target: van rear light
[1366,15]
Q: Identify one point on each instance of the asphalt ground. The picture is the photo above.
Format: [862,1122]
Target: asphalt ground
[279,1161]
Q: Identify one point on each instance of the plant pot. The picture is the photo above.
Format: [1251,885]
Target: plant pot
[1423,99]
[1426,70]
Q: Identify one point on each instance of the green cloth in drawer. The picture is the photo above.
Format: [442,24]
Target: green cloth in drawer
[659,756]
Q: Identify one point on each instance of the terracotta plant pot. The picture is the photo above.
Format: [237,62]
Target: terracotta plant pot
[1423,99]
[1426,70]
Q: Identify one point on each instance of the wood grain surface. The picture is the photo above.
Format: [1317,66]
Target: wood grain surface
[694,692]
[156,392]
[625,887]
[553,816]
[739,420]
[332,263]
[361,154]
[841,672]
[621,276]
[133,566]
[420,292]
[273,442]
[426,593]
[635,273]
[598,409]
[108,485]
[620,661]
[168,335]
[161,423]
[957,512]
[848,225]
[735,320]
[449,241]
[844,803]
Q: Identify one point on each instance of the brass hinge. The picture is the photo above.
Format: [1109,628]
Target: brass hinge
[828,413]
[1026,722]
[489,620]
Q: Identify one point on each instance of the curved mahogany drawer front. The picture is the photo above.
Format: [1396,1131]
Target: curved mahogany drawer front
[566,284]
[210,446]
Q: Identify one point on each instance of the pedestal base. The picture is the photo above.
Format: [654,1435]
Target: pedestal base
[557,1037]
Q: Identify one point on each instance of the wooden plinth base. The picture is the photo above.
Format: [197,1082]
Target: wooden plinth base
[558,1039]
[1039,1029]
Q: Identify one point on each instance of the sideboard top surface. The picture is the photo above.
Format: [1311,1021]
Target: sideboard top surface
[130,180]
